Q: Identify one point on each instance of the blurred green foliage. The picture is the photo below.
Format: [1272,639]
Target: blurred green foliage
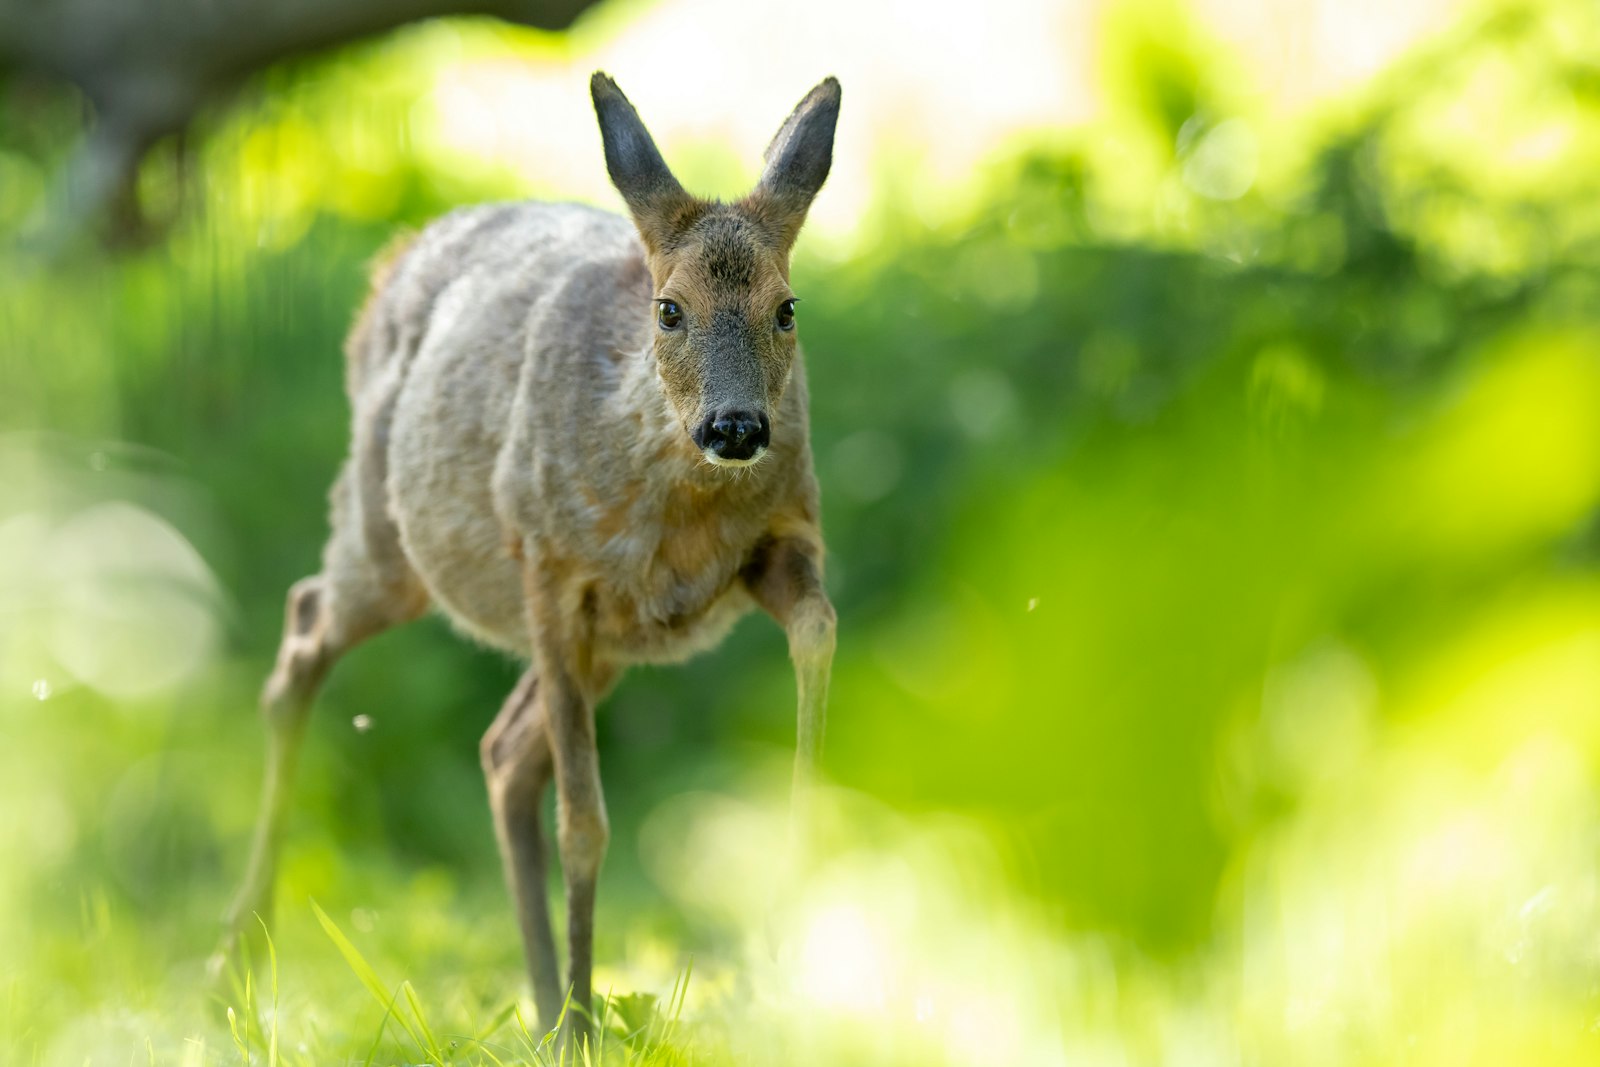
[1189,542]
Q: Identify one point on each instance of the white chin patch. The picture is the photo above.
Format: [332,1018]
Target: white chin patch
[723,461]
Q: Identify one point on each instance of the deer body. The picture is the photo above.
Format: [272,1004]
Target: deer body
[504,451]
[583,438]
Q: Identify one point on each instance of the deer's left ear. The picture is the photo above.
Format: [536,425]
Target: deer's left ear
[798,160]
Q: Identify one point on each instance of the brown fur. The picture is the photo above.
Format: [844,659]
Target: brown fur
[522,459]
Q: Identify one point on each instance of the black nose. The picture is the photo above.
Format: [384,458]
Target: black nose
[735,434]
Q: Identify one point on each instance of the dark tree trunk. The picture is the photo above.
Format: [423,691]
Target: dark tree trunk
[148,66]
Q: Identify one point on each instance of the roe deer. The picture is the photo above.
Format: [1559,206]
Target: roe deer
[585,440]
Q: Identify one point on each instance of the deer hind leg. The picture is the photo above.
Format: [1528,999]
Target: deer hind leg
[518,766]
[364,588]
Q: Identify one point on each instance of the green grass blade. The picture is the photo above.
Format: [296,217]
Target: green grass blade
[233,1028]
[549,1039]
[363,970]
[522,1027]
[487,1051]
[496,1024]
[432,1045]
[680,993]
[272,961]
[249,1012]
[383,1024]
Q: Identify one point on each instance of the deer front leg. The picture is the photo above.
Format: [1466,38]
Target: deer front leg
[785,577]
[581,828]
[569,685]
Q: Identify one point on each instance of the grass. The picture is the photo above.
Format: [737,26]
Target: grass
[1429,900]
[316,1019]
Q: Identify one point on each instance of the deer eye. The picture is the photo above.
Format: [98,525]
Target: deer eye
[668,314]
[786,315]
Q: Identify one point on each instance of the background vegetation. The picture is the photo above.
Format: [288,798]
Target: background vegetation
[1213,506]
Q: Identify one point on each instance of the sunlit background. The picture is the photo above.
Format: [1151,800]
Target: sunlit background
[1206,399]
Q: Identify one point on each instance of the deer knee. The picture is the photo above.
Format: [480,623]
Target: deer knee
[493,754]
[516,772]
[584,832]
[303,653]
[305,614]
[515,748]
[811,631]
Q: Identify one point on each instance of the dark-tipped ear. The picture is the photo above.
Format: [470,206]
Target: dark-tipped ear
[798,160]
[653,195]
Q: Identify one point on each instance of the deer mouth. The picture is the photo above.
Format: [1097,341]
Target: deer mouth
[719,460]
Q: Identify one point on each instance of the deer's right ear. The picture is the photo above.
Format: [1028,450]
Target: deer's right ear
[654,197]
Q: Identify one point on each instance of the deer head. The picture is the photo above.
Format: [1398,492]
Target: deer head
[724,314]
